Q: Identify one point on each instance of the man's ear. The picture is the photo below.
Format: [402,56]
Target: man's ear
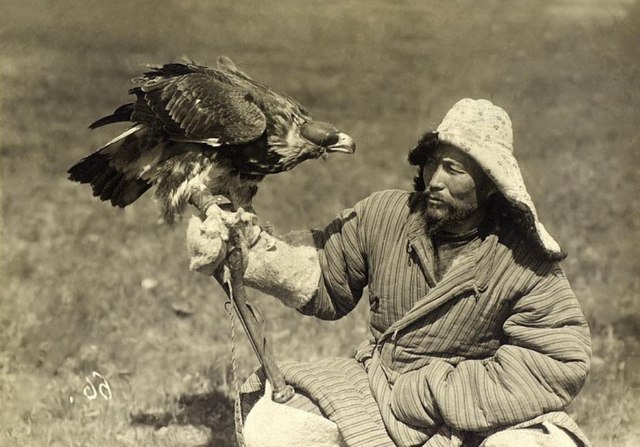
[418,180]
[487,189]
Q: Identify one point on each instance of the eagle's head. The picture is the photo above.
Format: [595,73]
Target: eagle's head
[308,140]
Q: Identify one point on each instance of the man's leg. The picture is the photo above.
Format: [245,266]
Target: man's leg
[543,435]
[299,422]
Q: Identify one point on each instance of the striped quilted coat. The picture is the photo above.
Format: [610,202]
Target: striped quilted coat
[499,341]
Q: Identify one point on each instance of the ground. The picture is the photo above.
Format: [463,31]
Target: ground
[90,289]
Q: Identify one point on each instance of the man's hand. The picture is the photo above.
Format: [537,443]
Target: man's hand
[207,240]
[411,400]
[289,273]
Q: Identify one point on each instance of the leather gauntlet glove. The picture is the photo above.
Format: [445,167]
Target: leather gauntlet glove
[289,273]
[207,240]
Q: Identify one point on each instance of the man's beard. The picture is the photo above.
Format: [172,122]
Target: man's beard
[440,215]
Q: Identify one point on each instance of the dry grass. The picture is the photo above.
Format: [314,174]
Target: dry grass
[72,299]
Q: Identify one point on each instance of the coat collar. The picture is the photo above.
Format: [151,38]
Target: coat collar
[420,244]
[471,273]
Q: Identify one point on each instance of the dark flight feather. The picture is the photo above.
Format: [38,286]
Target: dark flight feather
[121,114]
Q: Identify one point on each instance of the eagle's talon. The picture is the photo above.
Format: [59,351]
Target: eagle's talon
[253,235]
[269,241]
[267,227]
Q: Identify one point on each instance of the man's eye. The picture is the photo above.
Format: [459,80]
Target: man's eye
[456,169]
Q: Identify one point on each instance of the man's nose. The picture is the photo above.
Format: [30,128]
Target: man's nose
[437,179]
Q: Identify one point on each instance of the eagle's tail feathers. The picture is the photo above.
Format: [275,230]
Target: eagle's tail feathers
[89,168]
[110,185]
[128,191]
[107,182]
[100,182]
[121,114]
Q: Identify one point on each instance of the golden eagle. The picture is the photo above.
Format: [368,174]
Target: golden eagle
[196,127]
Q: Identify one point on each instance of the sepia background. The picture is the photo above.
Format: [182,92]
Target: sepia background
[87,289]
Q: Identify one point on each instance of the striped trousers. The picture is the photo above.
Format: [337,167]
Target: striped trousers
[545,434]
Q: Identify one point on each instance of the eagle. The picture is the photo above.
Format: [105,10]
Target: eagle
[196,128]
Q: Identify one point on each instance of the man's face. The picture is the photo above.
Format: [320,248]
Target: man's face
[456,190]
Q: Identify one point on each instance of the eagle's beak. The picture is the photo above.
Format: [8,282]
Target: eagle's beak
[345,144]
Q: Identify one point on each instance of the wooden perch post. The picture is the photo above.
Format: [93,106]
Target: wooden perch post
[235,290]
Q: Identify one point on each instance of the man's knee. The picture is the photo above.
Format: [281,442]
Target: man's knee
[543,435]
[272,424]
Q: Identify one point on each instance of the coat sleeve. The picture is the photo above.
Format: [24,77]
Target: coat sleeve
[343,265]
[540,368]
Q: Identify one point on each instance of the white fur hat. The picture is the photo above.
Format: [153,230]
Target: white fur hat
[483,130]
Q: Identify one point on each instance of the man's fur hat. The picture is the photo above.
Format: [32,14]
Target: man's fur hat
[483,131]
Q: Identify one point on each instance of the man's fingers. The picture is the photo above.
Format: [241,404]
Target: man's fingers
[239,218]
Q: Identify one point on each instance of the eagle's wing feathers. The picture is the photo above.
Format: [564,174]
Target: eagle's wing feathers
[271,98]
[198,107]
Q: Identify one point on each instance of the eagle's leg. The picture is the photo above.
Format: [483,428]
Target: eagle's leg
[242,190]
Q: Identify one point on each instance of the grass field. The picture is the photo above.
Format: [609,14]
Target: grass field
[89,288]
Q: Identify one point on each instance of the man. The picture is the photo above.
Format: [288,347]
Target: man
[477,336]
